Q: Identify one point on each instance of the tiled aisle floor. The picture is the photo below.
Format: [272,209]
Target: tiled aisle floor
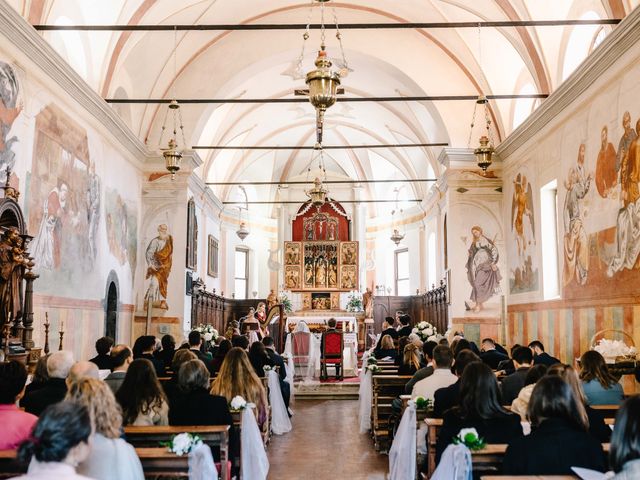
[325,444]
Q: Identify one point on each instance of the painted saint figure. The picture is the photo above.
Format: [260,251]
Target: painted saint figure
[576,245]
[606,173]
[628,136]
[93,211]
[47,247]
[159,257]
[9,111]
[482,270]
[521,207]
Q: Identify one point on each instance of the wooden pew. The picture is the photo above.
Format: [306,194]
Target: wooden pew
[212,435]
[434,424]
[158,461]
[385,388]
[609,411]
[9,465]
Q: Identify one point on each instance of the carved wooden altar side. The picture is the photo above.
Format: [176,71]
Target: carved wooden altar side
[16,278]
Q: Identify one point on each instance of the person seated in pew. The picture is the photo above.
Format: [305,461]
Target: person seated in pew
[597,427]
[16,424]
[540,357]
[171,387]
[512,384]
[424,372]
[58,366]
[410,360]
[402,342]
[387,329]
[521,403]
[40,375]
[141,397]
[278,361]
[144,347]
[196,343]
[600,387]
[387,350]
[489,355]
[121,358]
[259,358]
[405,326]
[479,408]
[449,397]
[103,348]
[240,341]
[559,437]
[506,367]
[237,377]
[624,455]
[165,355]
[464,344]
[221,352]
[441,376]
[60,440]
[110,457]
[194,405]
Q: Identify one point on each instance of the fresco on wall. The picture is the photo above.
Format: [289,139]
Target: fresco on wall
[523,274]
[64,200]
[122,225]
[483,273]
[159,256]
[10,108]
[602,214]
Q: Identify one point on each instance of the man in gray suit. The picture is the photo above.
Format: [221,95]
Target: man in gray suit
[122,357]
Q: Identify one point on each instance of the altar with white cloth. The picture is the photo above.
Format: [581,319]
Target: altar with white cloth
[349,354]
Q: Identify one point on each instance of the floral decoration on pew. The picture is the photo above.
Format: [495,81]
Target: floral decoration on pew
[237,403]
[208,332]
[469,438]
[267,368]
[182,443]
[426,332]
[423,403]
[372,365]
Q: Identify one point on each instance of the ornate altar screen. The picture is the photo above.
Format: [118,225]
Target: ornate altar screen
[321,258]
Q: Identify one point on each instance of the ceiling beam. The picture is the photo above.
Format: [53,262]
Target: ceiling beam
[311,147]
[299,202]
[344,26]
[430,98]
[326,182]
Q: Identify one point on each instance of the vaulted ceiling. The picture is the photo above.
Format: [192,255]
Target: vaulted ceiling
[261,64]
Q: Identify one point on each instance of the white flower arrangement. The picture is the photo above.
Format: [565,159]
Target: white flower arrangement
[183,443]
[237,403]
[267,368]
[425,331]
[208,332]
[611,349]
[470,438]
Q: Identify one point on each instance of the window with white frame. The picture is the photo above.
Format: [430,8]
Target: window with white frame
[549,235]
[402,272]
[241,280]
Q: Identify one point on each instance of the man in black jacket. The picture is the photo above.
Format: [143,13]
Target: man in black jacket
[387,329]
[103,359]
[53,390]
[490,356]
[512,384]
[540,357]
[448,397]
[405,330]
[278,361]
[195,345]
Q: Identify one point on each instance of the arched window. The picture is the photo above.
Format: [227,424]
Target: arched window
[580,44]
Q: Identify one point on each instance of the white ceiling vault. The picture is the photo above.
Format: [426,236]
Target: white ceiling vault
[259,64]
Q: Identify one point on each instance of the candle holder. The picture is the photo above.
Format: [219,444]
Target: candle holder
[61,337]
[46,333]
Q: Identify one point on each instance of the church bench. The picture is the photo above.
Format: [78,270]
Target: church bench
[158,461]
[9,464]
[212,435]
[609,411]
[385,388]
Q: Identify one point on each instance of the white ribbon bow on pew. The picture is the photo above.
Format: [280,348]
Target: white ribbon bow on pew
[365,396]
[402,455]
[280,422]
[254,464]
[455,464]
[201,466]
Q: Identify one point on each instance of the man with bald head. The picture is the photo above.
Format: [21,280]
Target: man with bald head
[54,390]
[80,370]
[121,358]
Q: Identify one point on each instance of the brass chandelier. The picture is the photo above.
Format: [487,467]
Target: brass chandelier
[317,194]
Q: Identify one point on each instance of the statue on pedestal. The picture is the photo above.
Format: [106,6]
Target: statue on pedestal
[367,302]
[12,261]
[272,299]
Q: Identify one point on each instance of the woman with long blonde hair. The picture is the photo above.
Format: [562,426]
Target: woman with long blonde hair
[410,360]
[237,377]
[111,458]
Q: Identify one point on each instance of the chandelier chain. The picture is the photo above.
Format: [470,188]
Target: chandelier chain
[322,29]
[305,37]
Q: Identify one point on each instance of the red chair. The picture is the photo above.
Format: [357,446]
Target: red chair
[300,345]
[332,348]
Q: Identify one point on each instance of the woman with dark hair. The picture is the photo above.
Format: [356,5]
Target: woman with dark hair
[40,375]
[141,397]
[594,418]
[144,347]
[479,408]
[600,387]
[168,351]
[16,424]
[387,348]
[60,441]
[559,437]
[170,386]
[624,456]
[259,358]
[410,360]
[521,403]
[223,349]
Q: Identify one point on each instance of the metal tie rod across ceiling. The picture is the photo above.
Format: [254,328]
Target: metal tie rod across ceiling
[315,26]
[298,202]
[325,182]
[324,147]
[430,98]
